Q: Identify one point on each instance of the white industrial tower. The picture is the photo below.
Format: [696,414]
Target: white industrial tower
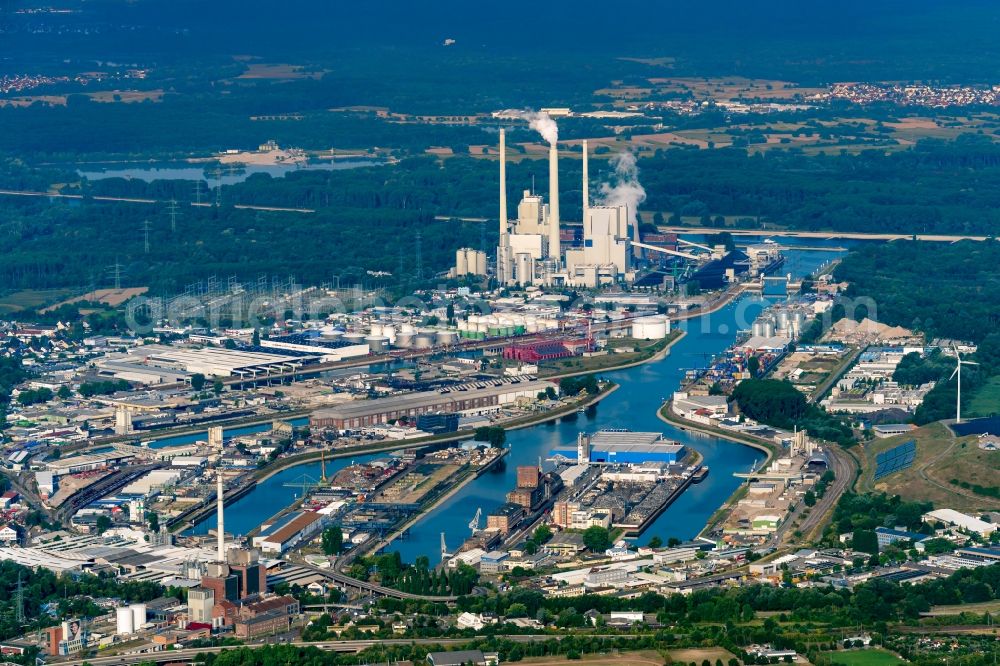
[221,526]
[554,252]
[505,272]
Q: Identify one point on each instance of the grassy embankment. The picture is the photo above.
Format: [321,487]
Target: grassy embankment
[946,471]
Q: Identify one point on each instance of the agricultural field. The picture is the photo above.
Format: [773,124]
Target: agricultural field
[639,658]
[873,657]
[31,299]
[944,471]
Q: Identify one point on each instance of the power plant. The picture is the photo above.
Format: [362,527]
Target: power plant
[530,252]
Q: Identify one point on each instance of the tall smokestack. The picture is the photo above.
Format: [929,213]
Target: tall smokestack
[553,201]
[586,182]
[221,527]
[503,187]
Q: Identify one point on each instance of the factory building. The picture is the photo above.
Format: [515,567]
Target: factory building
[623,447]
[311,343]
[213,361]
[267,617]
[605,254]
[470,399]
[529,252]
[505,517]
[289,532]
[86,463]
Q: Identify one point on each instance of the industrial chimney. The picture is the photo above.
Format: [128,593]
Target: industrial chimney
[554,252]
[221,527]
[586,183]
[503,188]
[505,269]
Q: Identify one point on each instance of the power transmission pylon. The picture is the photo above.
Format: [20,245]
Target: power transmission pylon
[172,210]
[116,273]
[419,269]
[145,232]
[19,602]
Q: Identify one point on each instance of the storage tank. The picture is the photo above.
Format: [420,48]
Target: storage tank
[650,328]
[407,328]
[480,263]
[375,330]
[767,328]
[404,340]
[125,622]
[461,262]
[389,331]
[758,328]
[377,344]
[138,615]
[354,338]
[784,319]
[423,341]
[447,338]
[798,321]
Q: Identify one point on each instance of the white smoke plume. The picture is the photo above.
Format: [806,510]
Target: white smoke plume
[624,188]
[537,120]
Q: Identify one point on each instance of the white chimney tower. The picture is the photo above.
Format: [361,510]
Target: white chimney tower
[221,527]
[586,183]
[503,188]
[554,252]
[505,259]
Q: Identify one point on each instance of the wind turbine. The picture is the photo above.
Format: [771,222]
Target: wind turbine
[958,372]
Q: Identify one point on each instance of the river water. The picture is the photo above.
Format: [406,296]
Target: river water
[641,392]
[188,171]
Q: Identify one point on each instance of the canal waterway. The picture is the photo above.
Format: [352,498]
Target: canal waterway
[634,405]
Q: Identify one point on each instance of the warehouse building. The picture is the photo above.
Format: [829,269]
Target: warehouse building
[311,342]
[215,361]
[959,520]
[287,533]
[623,447]
[468,399]
[86,463]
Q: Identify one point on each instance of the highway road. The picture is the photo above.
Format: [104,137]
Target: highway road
[826,235]
[79,197]
[344,580]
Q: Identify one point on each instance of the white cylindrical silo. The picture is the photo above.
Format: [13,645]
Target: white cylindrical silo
[138,615]
[461,262]
[124,621]
[480,258]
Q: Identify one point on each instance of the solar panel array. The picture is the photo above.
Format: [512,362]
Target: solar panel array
[895,459]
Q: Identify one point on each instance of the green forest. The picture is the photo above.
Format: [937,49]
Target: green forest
[779,404]
[367,219]
[945,290]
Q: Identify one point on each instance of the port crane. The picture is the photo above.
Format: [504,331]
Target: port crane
[444,549]
[473,524]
